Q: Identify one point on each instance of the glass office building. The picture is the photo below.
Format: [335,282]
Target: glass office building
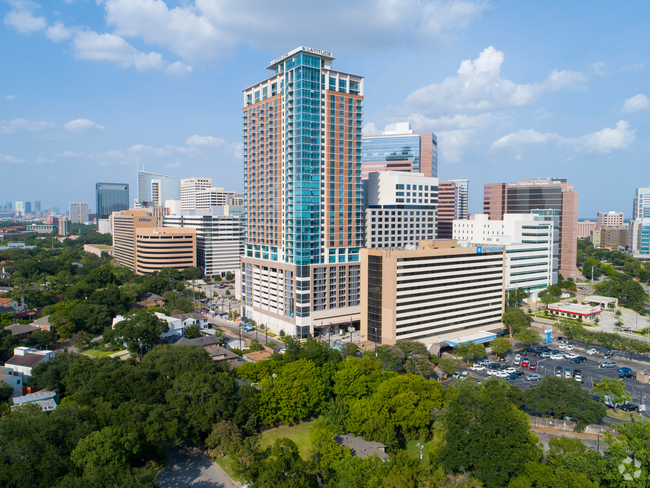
[111,197]
[302,178]
[154,189]
[641,204]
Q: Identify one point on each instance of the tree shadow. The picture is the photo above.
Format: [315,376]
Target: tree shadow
[191,467]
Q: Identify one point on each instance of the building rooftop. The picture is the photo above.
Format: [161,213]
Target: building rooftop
[575,308]
[598,298]
[18,329]
[361,447]
[259,355]
[151,297]
[28,360]
[185,316]
[199,341]
[42,321]
[35,397]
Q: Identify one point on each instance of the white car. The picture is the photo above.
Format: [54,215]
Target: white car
[478,367]
[517,361]
[464,375]
[517,356]
[510,370]
[570,355]
[492,372]
[502,374]
[557,356]
[486,362]
[570,347]
[562,346]
[591,351]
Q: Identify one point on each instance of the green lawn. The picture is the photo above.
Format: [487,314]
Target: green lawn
[225,463]
[297,433]
[624,415]
[102,246]
[413,450]
[98,354]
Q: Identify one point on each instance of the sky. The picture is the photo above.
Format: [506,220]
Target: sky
[90,89]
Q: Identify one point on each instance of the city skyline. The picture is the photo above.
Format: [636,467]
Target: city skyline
[504,106]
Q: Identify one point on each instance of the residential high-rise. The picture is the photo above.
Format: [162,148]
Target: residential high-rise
[220,238]
[28,207]
[189,188]
[609,219]
[400,149]
[552,198]
[641,204]
[111,197]
[37,205]
[453,204]
[65,227]
[639,238]
[302,180]
[79,213]
[401,209]
[154,189]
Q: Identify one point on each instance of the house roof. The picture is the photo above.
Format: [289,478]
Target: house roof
[361,447]
[4,376]
[35,397]
[259,355]
[199,341]
[4,309]
[6,301]
[43,321]
[28,360]
[18,329]
[185,316]
[151,297]
[220,352]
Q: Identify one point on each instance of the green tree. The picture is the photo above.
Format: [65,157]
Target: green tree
[286,469]
[349,349]
[359,378]
[449,365]
[391,357]
[80,340]
[613,389]
[255,346]
[486,435]
[229,276]
[500,346]
[6,391]
[138,331]
[537,475]
[192,331]
[630,445]
[325,451]
[106,447]
[191,273]
[516,320]
[559,397]
[528,336]
[224,438]
[41,338]
[569,454]
[7,344]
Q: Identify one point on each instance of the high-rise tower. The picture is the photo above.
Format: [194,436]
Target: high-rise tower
[302,179]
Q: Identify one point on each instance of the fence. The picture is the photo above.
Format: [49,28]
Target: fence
[565,425]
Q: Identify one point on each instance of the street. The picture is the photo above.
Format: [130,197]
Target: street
[192,467]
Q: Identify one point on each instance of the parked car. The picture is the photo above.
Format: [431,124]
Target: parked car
[557,356]
[570,355]
[486,362]
[456,375]
[524,362]
[491,372]
[607,364]
[519,373]
[567,373]
[624,370]
[533,377]
[510,370]
[558,372]
[591,351]
[248,328]
[626,375]
[541,365]
[629,407]
[517,356]
[478,367]
[562,346]
[578,360]
[570,347]
[517,361]
[512,377]
[546,354]
[464,375]
[532,366]
[502,374]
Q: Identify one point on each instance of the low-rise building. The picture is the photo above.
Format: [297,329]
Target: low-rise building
[575,311]
[41,228]
[47,400]
[21,331]
[192,319]
[14,305]
[44,324]
[176,326]
[24,360]
[609,219]
[431,293]
[13,379]
[585,228]
[612,238]
[98,249]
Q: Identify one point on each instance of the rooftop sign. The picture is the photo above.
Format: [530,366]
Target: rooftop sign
[482,249]
[311,50]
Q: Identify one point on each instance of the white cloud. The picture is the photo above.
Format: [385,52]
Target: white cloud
[452,145]
[8,126]
[635,67]
[22,19]
[635,104]
[597,69]
[10,159]
[58,32]
[479,88]
[543,114]
[52,178]
[601,142]
[370,129]
[175,164]
[178,68]
[44,160]
[10,97]
[79,126]
[205,141]
[68,154]
[159,152]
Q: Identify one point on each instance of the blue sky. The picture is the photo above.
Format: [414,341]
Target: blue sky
[513,89]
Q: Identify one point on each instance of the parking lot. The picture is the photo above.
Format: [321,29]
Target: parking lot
[590,371]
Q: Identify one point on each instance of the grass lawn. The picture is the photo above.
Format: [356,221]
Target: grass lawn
[225,463]
[624,415]
[413,450]
[102,246]
[98,354]
[297,433]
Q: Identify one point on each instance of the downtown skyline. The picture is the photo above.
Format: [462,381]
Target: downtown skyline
[96,88]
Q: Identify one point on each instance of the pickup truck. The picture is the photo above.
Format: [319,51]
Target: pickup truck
[607,364]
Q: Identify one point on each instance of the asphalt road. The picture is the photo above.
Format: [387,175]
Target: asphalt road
[192,467]
[589,370]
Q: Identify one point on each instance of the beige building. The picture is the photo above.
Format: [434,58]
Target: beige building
[65,227]
[124,225]
[438,293]
[585,228]
[611,237]
[157,248]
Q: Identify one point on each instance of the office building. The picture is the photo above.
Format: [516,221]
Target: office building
[639,238]
[65,227]
[529,241]
[436,293]
[189,188]
[124,225]
[158,213]
[585,228]
[611,238]
[157,248]
[79,213]
[400,149]
[154,189]
[37,206]
[28,207]
[213,197]
[220,238]
[8,205]
[401,209]
[111,197]
[103,226]
[609,219]
[20,209]
[302,180]
[453,204]
[641,204]
[41,228]
[56,210]
[552,198]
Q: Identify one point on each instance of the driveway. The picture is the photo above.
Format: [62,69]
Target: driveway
[192,467]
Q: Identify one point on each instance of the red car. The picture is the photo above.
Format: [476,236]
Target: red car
[532,366]
[524,362]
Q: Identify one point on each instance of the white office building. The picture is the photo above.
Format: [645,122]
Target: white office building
[79,213]
[220,237]
[401,209]
[640,205]
[154,189]
[531,250]
[189,189]
[212,197]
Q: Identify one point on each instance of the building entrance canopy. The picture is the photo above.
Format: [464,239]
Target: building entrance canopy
[477,338]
